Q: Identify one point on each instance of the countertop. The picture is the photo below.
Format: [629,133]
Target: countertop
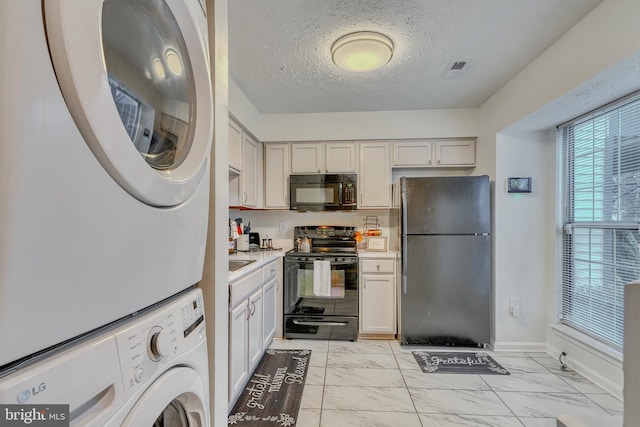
[262,258]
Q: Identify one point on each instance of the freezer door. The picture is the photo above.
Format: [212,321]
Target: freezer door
[446,205]
[446,290]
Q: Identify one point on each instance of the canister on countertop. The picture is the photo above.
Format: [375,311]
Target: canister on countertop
[242,243]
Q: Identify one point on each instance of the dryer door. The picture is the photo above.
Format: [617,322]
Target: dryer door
[135,77]
[177,398]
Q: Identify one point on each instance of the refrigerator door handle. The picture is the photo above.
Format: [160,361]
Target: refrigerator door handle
[403,210]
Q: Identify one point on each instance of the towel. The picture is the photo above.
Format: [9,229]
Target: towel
[322,278]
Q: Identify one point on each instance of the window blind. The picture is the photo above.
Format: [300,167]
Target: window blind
[599,160]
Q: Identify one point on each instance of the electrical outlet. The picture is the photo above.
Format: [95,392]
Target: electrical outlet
[514,307]
[283,226]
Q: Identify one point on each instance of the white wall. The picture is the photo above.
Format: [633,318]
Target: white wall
[267,223]
[243,110]
[371,125]
[524,228]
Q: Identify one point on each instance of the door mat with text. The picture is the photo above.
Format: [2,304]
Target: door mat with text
[272,395]
[458,363]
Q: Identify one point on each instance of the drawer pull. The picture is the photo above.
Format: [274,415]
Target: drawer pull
[318,323]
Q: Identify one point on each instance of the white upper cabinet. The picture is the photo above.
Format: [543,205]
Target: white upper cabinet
[413,153]
[249,175]
[235,146]
[374,178]
[340,157]
[276,176]
[245,168]
[435,153]
[307,158]
[327,157]
[455,152]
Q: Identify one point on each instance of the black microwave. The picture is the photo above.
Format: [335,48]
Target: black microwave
[323,192]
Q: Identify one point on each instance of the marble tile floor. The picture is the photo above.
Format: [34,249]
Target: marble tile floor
[377,383]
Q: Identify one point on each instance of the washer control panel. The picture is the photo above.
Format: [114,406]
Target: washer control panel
[158,336]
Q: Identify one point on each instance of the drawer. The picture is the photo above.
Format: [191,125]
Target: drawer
[377,265]
[269,271]
[245,286]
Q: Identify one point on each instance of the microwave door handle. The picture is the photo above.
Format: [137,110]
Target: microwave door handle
[340,194]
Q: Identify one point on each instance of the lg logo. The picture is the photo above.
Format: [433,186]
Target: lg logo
[25,395]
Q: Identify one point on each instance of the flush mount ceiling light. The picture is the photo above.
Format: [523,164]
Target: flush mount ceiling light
[173,62]
[362,51]
[158,68]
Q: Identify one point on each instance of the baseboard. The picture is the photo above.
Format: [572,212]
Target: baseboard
[591,374]
[518,346]
[372,336]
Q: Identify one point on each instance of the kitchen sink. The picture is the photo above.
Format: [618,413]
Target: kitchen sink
[236,264]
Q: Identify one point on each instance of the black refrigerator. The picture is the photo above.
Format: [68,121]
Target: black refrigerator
[445,290]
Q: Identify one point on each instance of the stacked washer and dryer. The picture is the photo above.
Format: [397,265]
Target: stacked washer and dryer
[105,129]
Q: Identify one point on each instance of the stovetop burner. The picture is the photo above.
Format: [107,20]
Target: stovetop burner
[326,240]
[324,253]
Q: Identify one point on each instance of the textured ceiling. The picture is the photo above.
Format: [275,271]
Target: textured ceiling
[279,50]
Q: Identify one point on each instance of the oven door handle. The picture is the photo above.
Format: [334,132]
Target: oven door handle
[339,263]
[318,323]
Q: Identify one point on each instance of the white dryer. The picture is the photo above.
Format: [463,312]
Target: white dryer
[106,123]
[150,370]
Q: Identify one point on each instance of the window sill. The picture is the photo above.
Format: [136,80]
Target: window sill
[590,344]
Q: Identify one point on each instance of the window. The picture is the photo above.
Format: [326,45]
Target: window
[128,107]
[600,166]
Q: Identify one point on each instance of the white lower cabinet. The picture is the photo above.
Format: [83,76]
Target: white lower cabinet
[256,342]
[252,324]
[269,299]
[377,296]
[238,349]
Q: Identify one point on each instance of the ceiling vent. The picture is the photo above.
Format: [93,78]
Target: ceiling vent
[454,69]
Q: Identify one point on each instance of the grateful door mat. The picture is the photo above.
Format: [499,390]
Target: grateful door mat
[458,363]
[272,395]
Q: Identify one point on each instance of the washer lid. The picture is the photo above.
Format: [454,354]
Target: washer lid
[135,77]
[178,396]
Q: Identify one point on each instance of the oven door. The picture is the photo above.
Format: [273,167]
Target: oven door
[315,196]
[309,292]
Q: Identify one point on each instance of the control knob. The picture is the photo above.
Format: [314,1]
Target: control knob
[159,344]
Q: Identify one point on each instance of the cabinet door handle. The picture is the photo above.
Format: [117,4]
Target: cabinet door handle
[245,197]
[248,311]
[253,308]
[277,286]
[378,267]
